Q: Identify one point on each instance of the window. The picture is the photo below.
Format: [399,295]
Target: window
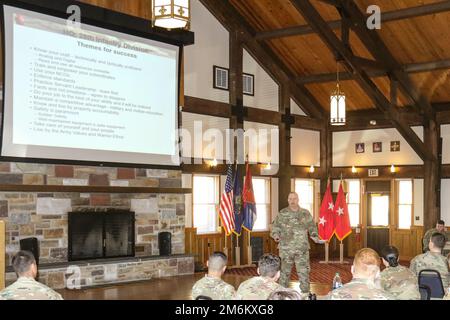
[248,81]
[353,201]
[379,210]
[405,196]
[220,78]
[305,191]
[261,190]
[205,203]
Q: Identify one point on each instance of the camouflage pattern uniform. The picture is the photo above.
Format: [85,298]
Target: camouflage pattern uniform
[28,289]
[258,288]
[292,229]
[212,287]
[359,289]
[427,237]
[434,261]
[400,282]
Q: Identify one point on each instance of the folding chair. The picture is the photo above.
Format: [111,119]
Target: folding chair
[425,292]
[432,279]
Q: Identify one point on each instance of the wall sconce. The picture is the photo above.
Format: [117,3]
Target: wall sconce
[393,169]
[212,163]
[354,169]
[268,166]
[311,169]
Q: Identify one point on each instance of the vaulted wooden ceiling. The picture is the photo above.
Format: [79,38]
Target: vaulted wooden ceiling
[415,40]
[419,41]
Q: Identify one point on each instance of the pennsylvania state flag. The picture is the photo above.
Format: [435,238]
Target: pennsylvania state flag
[237,202]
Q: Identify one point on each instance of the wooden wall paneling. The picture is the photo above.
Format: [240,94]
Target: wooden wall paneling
[2,254]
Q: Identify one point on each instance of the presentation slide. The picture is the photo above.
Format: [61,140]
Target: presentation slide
[87,93]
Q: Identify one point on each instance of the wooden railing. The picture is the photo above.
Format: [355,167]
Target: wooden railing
[202,245]
[2,254]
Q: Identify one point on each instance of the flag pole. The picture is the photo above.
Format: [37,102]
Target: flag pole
[237,251]
[225,248]
[341,252]
[249,249]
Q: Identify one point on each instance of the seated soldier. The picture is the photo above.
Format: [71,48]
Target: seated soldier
[432,259]
[26,287]
[365,269]
[447,293]
[396,279]
[440,227]
[212,285]
[285,294]
[260,288]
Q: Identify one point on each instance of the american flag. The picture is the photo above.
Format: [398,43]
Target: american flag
[226,212]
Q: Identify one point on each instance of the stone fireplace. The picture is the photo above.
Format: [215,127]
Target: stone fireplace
[45,215]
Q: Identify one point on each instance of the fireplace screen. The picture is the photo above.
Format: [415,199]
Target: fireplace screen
[105,234]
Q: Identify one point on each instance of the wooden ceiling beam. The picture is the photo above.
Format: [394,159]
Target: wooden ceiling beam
[334,44]
[231,19]
[329,2]
[373,42]
[394,15]
[409,68]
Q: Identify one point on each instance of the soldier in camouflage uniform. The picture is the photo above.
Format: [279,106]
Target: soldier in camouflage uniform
[433,259]
[366,267]
[440,227]
[26,287]
[290,228]
[398,280]
[447,293]
[212,285]
[260,288]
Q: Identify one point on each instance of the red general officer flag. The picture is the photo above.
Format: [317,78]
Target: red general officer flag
[326,216]
[342,219]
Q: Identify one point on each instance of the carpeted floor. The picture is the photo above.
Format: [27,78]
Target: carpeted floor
[320,272]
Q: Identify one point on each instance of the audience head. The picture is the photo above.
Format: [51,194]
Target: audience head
[437,242]
[440,225]
[269,265]
[24,264]
[293,200]
[203,298]
[217,263]
[366,264]
[390,256]
[285,295]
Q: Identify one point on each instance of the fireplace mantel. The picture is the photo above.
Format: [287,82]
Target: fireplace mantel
[90,189]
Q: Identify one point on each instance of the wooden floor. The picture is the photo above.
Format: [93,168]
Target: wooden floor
[172,288]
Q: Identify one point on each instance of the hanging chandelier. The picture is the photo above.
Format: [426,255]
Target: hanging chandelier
[337,105]
[171,14]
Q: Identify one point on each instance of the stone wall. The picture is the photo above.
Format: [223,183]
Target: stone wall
[44,214]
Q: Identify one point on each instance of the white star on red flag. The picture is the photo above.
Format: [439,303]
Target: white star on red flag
[340,211]
[322,221]
[330,206]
